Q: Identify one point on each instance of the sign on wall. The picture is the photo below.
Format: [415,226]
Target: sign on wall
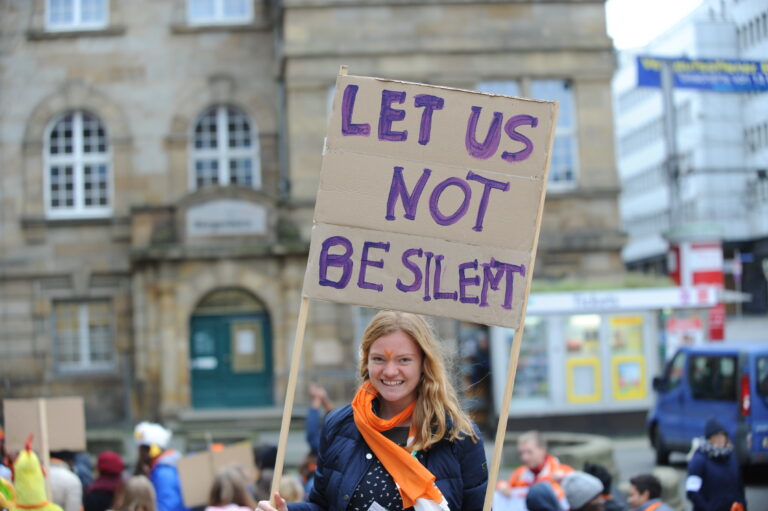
[429,200]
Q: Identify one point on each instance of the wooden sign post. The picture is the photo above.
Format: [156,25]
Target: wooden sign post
[56,424]
[430,201]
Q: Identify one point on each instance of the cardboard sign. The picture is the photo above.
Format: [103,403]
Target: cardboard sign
[198,471]
[65,423]
[429,200]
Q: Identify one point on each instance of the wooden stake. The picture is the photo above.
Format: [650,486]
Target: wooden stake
[514,353]
[45,454]
[290,394]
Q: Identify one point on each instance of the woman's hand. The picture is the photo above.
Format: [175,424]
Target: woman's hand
[266,505]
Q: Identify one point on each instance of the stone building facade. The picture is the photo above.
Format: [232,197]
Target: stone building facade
[159,162]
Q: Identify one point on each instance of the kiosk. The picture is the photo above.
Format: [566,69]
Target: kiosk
[594,351]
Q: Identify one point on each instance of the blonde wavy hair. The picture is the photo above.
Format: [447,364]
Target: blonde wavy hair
[136,494]
[436,402]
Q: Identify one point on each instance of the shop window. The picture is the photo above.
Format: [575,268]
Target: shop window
[583,335]
[83,335]
[712,377]
[582,366]
[76,14]
[77,177]
[204,12]
[532,378]
[225,149]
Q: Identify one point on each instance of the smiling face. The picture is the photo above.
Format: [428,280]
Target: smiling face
[394,368]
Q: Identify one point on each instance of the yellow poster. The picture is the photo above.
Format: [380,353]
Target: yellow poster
[628,377]
[583,384]
[626,334]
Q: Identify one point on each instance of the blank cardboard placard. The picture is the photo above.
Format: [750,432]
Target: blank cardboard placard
[65,417]
[429,200]
[198,471]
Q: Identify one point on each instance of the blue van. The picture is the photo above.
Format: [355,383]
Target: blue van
[722,380]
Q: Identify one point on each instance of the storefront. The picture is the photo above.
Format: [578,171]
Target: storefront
[590,352]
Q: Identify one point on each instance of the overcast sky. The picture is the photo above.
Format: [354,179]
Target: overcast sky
[633,23]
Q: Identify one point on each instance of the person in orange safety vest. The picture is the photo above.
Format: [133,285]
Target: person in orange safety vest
[538,466]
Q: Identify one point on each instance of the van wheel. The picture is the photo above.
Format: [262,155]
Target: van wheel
[662,453]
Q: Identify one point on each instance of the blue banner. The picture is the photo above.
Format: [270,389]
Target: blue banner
[720,75]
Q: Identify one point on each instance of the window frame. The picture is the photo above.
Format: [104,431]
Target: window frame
[698,393]
[77,23]
[223,153]
[569,133]
[218,17]
[85,364]
[674,373]
[523,87]
[78,162]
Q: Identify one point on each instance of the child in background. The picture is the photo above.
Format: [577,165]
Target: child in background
[137,494]
[229,492]
[291,489]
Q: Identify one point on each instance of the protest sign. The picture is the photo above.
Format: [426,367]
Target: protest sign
[429,200]
[197,471]
[57,422]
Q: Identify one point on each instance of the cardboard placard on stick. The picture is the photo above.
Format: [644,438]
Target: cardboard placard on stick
[430,201]
[197,471]
[64,416]
[462,173]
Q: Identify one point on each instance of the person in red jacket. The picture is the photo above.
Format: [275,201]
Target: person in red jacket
[538,466]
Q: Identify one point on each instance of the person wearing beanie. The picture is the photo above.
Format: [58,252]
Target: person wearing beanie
[714,479]
[583,491]
[541,497]
[645,494]
[599,471]
[100,495]
[160,463]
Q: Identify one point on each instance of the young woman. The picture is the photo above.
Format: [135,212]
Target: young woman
[404,442]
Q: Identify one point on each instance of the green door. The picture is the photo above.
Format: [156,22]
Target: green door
[231,360]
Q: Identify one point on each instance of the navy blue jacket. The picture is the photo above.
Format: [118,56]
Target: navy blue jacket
[459,467]
[721,482]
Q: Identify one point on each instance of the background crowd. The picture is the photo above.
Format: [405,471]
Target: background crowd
[541,483]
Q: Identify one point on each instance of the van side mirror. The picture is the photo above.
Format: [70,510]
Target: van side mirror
[659,383]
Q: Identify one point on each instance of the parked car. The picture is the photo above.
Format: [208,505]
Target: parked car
[722,380]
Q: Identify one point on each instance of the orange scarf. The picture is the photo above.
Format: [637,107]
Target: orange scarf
[413,480]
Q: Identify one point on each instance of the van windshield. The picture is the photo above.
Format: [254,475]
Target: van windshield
[712,377]
[762,376]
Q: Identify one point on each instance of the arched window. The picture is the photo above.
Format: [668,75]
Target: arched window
[77,165]
[225,149]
